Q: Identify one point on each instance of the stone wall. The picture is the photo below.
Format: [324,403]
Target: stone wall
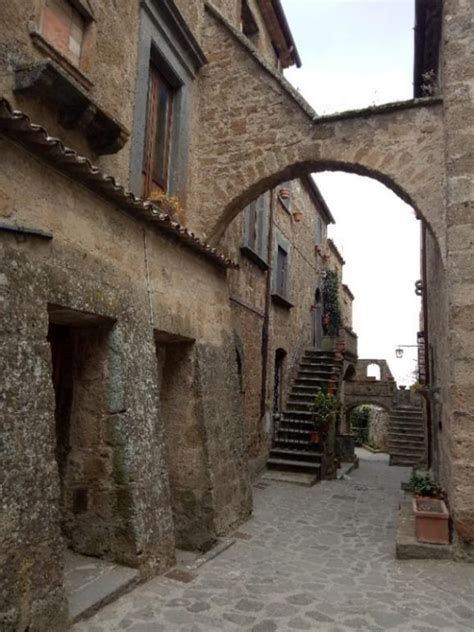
[290,329]
[457,442]
[378,428]
[105,265]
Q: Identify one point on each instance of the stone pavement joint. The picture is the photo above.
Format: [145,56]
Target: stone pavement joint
[320,559]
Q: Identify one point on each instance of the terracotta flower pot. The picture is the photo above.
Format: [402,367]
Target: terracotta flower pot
[297,216]
[314,437]
[284,193]
[431,520]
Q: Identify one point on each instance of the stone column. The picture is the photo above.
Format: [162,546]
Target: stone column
[458,391]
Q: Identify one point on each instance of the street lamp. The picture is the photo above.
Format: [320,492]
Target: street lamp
[399,349]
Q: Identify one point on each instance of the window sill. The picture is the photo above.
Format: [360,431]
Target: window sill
[280,300]
[253,256]
[44,46]
[76,109]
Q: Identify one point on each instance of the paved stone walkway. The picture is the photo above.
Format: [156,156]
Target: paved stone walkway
[318,559]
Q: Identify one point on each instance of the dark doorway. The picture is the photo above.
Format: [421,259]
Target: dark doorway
[185,440]
[84,457]
[317,315]
[280,356]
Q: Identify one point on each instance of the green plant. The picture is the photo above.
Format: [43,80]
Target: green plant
[360,418]
[324,408]
[422,484]
[332,308]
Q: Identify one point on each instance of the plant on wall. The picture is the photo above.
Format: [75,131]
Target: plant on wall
[332,307]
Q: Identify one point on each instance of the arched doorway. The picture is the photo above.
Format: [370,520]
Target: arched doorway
[317,315]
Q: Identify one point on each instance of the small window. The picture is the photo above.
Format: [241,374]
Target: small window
[255,242]
[158,133]
[281,271]
[64,27]
[248,23]
[319,231]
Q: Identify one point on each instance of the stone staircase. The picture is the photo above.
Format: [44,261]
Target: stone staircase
[407,436]
[292,450]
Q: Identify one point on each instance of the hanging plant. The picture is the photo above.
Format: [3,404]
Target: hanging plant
[332,308]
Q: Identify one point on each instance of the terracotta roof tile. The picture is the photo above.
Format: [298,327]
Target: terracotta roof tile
[17,125]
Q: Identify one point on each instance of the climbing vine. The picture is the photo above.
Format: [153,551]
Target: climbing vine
[332,307]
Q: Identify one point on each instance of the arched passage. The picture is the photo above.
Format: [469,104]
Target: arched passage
[282,138]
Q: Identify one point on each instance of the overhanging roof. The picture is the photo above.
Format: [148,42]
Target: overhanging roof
[17,125]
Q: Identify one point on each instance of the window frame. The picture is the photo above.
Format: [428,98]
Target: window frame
[165,40]
[281,294]
[78,71]
[256,221]
[155,78]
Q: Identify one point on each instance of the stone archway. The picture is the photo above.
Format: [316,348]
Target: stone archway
[269,141]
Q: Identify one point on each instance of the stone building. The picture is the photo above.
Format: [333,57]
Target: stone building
[276,298]
[117,329]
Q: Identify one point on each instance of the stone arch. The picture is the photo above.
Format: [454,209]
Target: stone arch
[380,402]
[275,136]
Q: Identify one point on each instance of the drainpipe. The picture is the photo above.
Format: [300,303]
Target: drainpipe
[424,274]
[266,319]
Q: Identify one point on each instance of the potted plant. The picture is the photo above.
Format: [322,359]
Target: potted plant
[323,409]
[431,513]
[297,215]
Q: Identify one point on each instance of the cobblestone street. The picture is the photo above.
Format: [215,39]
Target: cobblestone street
[319,559]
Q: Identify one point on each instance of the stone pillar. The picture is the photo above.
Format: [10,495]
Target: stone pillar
[458,390]
[31,545]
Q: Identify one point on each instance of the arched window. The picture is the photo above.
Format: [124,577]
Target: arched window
[373,371]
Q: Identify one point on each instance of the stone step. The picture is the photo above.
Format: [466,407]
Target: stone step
[317,374]
[414,427]
[407,432]
[284,433]
[297,442]
[313,379]
[405,461]
[310,389]
[302,455]
[91,583]
[293,464]
[402,414]
[400,441]
[293,413]
[310,363]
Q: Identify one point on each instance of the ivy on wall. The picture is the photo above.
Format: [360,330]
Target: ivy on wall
[332,307]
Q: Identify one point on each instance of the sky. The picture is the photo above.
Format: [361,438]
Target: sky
[357,53]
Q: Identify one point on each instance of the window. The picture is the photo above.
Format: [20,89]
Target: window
[255,243]
[164,103]
[158,133]
[280,272]
[249,26]
[63,26]
[319,231]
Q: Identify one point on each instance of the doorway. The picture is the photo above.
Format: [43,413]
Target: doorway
[278,384]
[317,316]
[84,459]
[185,439]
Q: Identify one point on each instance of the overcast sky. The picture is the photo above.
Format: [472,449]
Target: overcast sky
[357,53]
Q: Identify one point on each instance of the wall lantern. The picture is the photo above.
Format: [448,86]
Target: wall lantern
[399,350]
